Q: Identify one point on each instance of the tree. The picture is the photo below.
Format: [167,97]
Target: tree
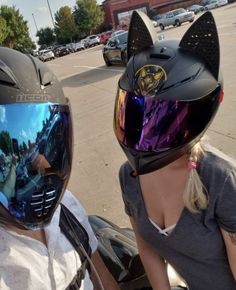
[46,36]
[3,30]
[88,16]
[5,142]
[66,29]
[18,31]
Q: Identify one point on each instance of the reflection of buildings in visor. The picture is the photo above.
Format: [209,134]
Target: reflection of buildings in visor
[34,156]
[7,173]
[8,186]
[38,159]
[46,156]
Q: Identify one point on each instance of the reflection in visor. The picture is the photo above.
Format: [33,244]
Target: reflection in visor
[35,158]
[153,124]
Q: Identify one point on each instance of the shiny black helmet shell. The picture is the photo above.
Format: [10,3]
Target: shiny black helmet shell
[24,78]
[182,76]
[35,141]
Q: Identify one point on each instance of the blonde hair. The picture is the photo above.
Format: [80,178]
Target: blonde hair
[195,194]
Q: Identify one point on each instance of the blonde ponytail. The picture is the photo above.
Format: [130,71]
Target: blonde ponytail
[195,195]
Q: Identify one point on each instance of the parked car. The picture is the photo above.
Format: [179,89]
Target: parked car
[93,40]
[79,46]
[158,17]
[61,51]
[115,51]
[215,4]
[176,18]
[105,36]
[46,54]
[117,32]
[84,42]
[196,8]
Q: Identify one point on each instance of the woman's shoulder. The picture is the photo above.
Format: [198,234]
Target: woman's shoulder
[217,160]
[125,175]
[125,168]
[215,167]
[129,183]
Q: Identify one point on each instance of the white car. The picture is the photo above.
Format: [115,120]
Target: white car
[46,54]
[93,40]
[79,46]
[76,46]
[215,4]
[84,42]
[176,18]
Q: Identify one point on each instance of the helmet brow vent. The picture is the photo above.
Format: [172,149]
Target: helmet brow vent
[186,80]
[167,88]
[6,76]
[6,81]
[159,55]
[180,82]
[46,77]
[202,39]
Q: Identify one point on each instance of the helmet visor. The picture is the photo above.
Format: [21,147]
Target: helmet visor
[151,124]
[35,159]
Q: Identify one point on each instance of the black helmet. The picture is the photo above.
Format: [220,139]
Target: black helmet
[168,94]
[35,141]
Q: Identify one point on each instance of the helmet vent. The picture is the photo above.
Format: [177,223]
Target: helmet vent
[159,55]
[202,39]
[46,78]
[6,79]
[180,82]
[167,88]
[186,80]
[42,201]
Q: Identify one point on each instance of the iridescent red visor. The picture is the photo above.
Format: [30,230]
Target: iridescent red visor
[151,124]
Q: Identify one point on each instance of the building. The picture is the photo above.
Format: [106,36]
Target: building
[118,12]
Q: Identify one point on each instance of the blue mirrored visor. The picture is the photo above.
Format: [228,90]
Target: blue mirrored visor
[35,158]
[151,124]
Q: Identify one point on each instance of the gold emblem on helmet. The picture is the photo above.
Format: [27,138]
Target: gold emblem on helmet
[149,78]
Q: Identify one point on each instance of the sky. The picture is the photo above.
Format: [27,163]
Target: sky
[40,11]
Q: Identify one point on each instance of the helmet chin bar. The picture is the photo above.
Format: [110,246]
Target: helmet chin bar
[147,162]
[36,211]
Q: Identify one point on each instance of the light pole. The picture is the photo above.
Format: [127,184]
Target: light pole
[35,23]
[51,14]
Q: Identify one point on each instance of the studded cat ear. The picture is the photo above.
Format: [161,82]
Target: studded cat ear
[141,33]
[202,39]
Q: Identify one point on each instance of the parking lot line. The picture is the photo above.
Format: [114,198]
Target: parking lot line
[98,68]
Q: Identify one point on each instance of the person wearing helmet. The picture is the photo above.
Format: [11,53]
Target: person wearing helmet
[180,194]
[46,241]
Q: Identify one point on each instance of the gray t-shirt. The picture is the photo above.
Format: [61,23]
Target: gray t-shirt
[195,247]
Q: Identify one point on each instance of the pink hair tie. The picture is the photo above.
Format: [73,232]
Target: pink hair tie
[192,164]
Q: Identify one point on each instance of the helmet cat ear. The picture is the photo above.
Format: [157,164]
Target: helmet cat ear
[202,39]
[141,33]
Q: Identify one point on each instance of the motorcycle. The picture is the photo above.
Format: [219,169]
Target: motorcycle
[119,252]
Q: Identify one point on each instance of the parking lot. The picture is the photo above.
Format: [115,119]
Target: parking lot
[91,88]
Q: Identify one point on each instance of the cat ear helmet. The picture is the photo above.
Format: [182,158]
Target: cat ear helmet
[35,141]
[169,93]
